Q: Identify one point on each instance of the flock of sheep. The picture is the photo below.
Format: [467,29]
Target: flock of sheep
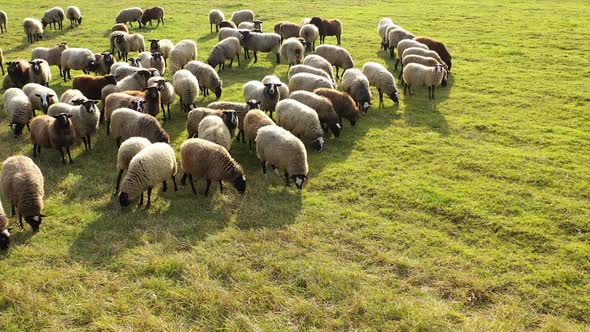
[131,94]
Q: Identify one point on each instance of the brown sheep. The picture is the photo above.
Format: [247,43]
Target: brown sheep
[331,27]
[153,13]
[151,98]
[343,103]
[57,132]
[91,86]
[18,72]
[438,47]
[120,27]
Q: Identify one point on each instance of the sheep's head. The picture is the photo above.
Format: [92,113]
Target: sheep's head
[4,237]
[253,104]
[318,143]
[62,46]
[299,179]
[119,38]
[80,20]
[63,120]
[124,199]
[110,79]
[154,45]
[157,56]
[108,58]
[34,222]
[137,105]
[14,67]
[272,88]
[395,97]
[245,34]
[365,106]
[240,184]
[218,91]
[335,128]
[17,129]
[47,99]
[230,118]
[92,65]
[44,22]
[257,24]
[153,92]
[36,66]
[317,21]
[90,105]
[134,62]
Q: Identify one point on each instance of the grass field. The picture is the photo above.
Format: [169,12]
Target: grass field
[467,213]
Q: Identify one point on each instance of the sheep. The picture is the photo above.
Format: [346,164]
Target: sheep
[203,159]
[228,48]
[127,123]
[283,150]
[128,149]
[229,32]
[167,94]
[149,167]
[84,116]
[213,129]
[53,131]
[19,109]
[382,79]
[216,16]
[261,42]
[163,46]
[41,97]
[74,15]
[420,75]
[343,103]
[207,77]
[319,62]
[120,27]
[104,62]
[267,93]
[22,184]
[394,37]
[254,25]
[289,30]
[308,82]
[356,84]
[127,69]
[337,56]
[18,71]
[152,60]
[323,107]
[137,81]
[127,42]
[153,13]
[129,15]
[403,45]
[302,121]
[422,52]
[331,27]
[308,69]
[39,72]
[117,100]
[51,55]
[293,50]
[227,24]
[426,61]
[310,34]
[229,117]
[77,58]
[254,120]
[383,31]
[4,231]
[241,108]
[7,83]
[3,20]
[242,16]
[52,16]
[91,86]
[33,29]
[181,54]
[282,87]
[439,47]
[72,96]
[151,98]
[186,87]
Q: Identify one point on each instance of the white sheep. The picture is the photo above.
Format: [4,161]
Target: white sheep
[167,94]
[336,56]
[213,129]
[261,42]
[39,72]
[426,61]
[395,36]
[283,88]
[207,77]
[308,82]
[283,150]
[104,62]
[323,107]
[216,16]
[302,121]
[241,108]
[74,14]
[51,55]
[128,42]
[228,48]
[19,109]
[137,81]
[163,46]
[254,120]
[310,34]
[129,15]
[152,60]
[181,54]
[72,96]
[254,25]
[127,123]
[52,16]
[186,87]
[240,16]
[41,97]
[229,117]
[308,69]
[382,79]
[293,50]
[33,29]
[148,168]
[403,45]
[423,52]
[79,59]
[319,62]
[267,93]
[84,116]
[128,149]
[356,84]
[419,75]
[3,20]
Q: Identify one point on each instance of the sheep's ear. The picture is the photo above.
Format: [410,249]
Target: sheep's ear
[42,215]
[38,95]
[68,115]
[95,101]
[278,84]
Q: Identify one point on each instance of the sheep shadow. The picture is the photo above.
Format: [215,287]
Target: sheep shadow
[419,111]
[208,37]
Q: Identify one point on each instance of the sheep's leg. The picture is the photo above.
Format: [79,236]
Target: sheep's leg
[34,150]
[89,143]
[410,89]
[169,116]
[250,144]
[119,180]
[395,66]
[174,182]
[337,72]
[278,58]
[108,127]
[164,186]
[211,27]
[130,24]
[69,156]
[59,67]
[255,56]
[118,141]
[140,200]
[63,157]
[85,143]
[220,186]
[263,164]
[287,179]
[231,62]
[208,186]
[14,212]
[339,40]
[1,66]
[237,57]
[190,178]
[20,220]
[183,179]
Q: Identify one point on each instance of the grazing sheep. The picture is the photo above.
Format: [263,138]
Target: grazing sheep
[162,46]
[137,81]
[18,71]
[57,132]
[241,108]
[319,62]
[186,87]
[267,93]
[128,149]
[228,48]
[122,69]
[384,23]
[229,117]
[104,62]
[91,86]
[422,52]
[127,123]
[84,116]
[167,94]
[261,42]
[254,25]
[308,82]
[403,45]
[254,120]
[302,121]
[242,16]
[181,54]
[52,16]
[22,184]
[72,96]
[283,150]
[439,47]
[207,77]
[41,97]
[152,60]
[336,56]
[426,61]
[419,75]
[288,30]
[310,34]
[19,110]
[153,13]
[39,72]
[343,103]
[227,24]
[216,16]
[356,84]
[3,20]
[323,107]
[79,59]
[149,167]
[394,37]
[213,129]
[293,50]
[308,69]
[119,27]
[33,29]
[331,27]
[129,15]
[151,99]
[203,159]
[382,79]
[305,20]
[4,232]
[128,42]
[74,15]
[51,55]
